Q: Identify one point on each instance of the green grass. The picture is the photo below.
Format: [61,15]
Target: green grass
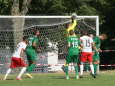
[58,79]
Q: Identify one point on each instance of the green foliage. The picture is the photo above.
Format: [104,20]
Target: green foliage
[5,7]
[103,8]
[87,10]
[46,7]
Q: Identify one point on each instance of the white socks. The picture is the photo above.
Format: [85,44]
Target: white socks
[7,73]
[19,76]
[21,72]
[81,69]
[92,68]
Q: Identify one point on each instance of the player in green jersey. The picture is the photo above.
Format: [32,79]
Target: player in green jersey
[31,52]
[73,53]
[96,57]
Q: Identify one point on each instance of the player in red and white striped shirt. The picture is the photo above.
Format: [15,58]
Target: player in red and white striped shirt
[86,54]
[17,60]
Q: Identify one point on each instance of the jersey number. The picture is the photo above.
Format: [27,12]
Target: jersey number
[87,43]
[74,44]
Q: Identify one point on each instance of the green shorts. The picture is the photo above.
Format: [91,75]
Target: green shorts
[96,57]
[31,54]
[73,55]
[70,59]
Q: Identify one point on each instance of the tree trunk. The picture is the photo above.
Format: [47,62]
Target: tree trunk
[18,23]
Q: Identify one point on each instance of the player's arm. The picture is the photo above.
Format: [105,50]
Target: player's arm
[72,25]
[69,44]
[23,47]
[22,52]
[81,44]
[94,47]
[97,43]
[34,44]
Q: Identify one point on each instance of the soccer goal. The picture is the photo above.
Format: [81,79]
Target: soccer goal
[52,37]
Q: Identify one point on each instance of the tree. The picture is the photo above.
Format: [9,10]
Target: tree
[47,7]
[5,7]
[19,7]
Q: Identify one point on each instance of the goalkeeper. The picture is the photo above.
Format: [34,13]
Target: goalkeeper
[31,52]
[73,23]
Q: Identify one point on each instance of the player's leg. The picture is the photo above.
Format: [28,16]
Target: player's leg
[21,73]
[91,67]
[95,67]
[31,57]
[75,61]
[68,60]
[90,59]
[92,70]
[81,69]
[31,66]
[66,71]
[12,65]
[83,59]
[22,64]
[96,62]
[87,68]
[76,70]
[7,73]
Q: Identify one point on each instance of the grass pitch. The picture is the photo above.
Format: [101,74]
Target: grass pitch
[105,78]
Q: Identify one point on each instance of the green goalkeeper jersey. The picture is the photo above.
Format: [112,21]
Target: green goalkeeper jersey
[97,42]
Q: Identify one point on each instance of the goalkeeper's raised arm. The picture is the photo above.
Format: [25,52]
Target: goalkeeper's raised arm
[73,23]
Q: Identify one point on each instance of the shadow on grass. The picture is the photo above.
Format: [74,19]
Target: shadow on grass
[8,79]
[57,77]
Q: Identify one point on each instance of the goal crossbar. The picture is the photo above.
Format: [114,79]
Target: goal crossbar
[79,17]
[47,16]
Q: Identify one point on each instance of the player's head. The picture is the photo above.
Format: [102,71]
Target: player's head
[91,35]
[73,17]
[84,33]
[25,39]
[71,32]
[36,32]
[103,36]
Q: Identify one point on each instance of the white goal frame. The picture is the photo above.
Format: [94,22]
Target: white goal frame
[61,17]
[81,17]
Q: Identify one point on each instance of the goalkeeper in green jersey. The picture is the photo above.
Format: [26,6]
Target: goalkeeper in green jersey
[73,53]
[31,52]
[96,57]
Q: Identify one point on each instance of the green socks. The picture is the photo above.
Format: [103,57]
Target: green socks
[31,67]
[66,71]
[76,72]
[95,68]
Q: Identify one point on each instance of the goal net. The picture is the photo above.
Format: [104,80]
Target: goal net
[52,37]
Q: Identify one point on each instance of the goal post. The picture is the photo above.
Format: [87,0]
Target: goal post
[52,37]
